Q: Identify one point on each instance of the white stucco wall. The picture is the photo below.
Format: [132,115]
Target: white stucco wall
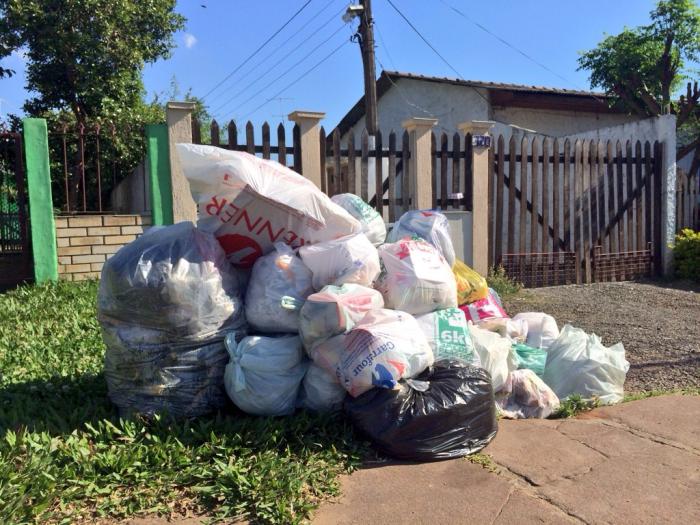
[558,123]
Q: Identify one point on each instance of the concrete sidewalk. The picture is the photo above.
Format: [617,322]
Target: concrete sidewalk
[638,462]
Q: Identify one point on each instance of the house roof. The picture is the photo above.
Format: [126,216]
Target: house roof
[500,94]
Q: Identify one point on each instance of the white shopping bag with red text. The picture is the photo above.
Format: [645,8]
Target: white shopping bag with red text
[250,203]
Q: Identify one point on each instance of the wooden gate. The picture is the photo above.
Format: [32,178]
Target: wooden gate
[15,253]
[566,212]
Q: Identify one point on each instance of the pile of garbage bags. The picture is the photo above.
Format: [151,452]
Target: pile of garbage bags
[282,299]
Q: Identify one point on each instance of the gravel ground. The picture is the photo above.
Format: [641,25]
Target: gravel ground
[659,324]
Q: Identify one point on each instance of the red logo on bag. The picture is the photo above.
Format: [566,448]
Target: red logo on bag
[241,251]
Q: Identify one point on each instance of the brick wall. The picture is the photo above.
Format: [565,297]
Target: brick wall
[87,241]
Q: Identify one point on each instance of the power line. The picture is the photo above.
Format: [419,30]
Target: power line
[271,68]
[300,77]
[283,43]
[258,49]
[433,48]
[289,69]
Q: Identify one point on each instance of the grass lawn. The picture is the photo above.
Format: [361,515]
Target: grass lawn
[66,457]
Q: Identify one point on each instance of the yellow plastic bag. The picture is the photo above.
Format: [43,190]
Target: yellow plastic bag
[471,286]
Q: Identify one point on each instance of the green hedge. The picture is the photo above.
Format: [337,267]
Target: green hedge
[686,255]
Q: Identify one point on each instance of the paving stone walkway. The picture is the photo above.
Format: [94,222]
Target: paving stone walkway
[638,462]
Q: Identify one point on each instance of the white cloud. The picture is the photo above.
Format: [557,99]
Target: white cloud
[190,40]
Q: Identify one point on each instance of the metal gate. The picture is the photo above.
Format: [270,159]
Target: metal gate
[15,250]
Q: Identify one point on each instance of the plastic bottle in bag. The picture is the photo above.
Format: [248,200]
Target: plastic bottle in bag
[279,284]
[415,278]
[347,260]
[372,223]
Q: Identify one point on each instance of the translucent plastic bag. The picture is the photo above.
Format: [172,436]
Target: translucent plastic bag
[526,396]
[321,391]
[415,278]
[542,329]
[174,284]
[279,284]
[249,203]
[578,363]
[431,226]
[471,286]
[448,411]
[372,223]
[264,374]
[495,354]
[516,331]
[348,260]
[483,309]
[448,335]
[385,346]
[335,310]
[530,358]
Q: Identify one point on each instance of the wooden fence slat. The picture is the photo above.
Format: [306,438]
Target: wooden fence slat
[405,172]
[639,215]
[544,242]
[658,156]
[196,131]
[648,188]
[491,186]
[568,189]
[585,211]
[364,168]
[511,195]
[629,190]
[556,187]
[296,147]
[334,183]
[250,138]
[523,193]
[500,181]
[469,173]
[352,163]
[602,196]
[392,176]
[433,170]
[578,208]
[379,174]
[233,135]
[680,200]
[619,183]
[611,225]
[535,196]
[443,171]
[321,148]
[456,147]
[592,179]
[214,133]
[282,151]
[266,140]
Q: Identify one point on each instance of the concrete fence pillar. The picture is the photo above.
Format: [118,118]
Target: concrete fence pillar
[310,134]
[667,136]
[481,141]
[420,164]
[178,117]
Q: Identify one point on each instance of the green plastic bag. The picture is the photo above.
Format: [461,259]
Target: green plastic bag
[531,358]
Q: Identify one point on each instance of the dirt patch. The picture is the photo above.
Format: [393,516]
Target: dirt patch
[659,326]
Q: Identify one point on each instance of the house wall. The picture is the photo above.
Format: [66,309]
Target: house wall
[86,242]
[558,123]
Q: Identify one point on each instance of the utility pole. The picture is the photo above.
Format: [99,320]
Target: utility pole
[366,31]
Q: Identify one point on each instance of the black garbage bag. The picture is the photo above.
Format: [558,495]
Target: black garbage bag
[447,411]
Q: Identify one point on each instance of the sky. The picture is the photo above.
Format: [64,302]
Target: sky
[312,65]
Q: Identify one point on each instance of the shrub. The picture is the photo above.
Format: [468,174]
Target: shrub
[686,255]
[504,285]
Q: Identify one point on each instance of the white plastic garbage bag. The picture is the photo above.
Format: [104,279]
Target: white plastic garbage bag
[525,395]
[495,355]
[279,284]
[385,346]
[335,310]
[542,329]
[515,330]
[321,391]
[448,335]
[432,226]
[578,363]
[347,260]
[372,223]
[415,278]
[249,203]
[264,373]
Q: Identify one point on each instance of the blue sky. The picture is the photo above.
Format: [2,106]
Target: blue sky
[223,34]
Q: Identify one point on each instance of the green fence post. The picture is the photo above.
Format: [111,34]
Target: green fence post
[159,174]
[36,152]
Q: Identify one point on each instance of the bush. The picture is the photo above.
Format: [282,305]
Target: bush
[686,255]
[504,285]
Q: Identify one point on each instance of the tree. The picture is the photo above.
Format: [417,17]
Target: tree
[85,59]
[643,67]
